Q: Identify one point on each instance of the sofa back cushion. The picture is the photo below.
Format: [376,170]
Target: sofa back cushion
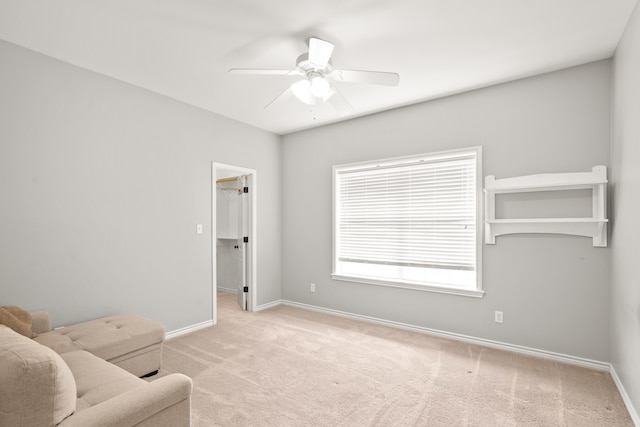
[36,386]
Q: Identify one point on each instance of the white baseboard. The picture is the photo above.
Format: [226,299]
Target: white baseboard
[268,305]
[625,397]
[588,363]
[188,329]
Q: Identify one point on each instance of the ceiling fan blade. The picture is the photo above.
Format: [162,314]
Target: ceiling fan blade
[320,52]
[258,71]
[339,102]
[371,77]
[287,94]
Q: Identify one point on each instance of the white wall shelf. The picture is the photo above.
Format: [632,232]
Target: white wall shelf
[594,226]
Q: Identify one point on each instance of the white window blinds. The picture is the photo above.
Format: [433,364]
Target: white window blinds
[419,213]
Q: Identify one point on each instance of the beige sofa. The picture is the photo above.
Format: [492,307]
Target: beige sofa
[92,377]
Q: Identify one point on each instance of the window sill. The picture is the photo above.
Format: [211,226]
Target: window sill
[426,288]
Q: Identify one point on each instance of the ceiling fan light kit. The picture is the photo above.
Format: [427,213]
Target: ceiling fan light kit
[316,86]
[312,92]
[320,87]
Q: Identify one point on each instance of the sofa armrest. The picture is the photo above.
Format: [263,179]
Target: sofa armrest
[163,402]
[40,322]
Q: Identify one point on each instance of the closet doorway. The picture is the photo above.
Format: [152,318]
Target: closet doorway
[234,234]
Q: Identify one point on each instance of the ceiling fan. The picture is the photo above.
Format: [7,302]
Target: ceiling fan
[318,75]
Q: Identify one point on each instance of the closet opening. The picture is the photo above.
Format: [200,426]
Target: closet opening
[234,234]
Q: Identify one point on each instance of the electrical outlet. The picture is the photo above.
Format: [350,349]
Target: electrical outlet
[313,287]
[498,317]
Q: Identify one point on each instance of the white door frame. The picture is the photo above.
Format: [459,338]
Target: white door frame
[253,285]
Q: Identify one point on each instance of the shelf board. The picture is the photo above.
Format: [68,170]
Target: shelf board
[586,227]
[547,182]
[546,221]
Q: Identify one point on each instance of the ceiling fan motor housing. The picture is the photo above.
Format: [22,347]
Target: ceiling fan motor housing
[309,70]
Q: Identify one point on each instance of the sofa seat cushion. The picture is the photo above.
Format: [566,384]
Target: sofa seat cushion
[36,386]
[96,379]
[107,338]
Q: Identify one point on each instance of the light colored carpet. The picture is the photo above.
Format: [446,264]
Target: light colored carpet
[291,367]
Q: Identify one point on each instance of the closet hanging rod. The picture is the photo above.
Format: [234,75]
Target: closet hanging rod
[218,181]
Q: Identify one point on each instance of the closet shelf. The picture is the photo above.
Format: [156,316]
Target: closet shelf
[594,227]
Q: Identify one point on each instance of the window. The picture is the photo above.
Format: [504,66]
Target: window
[410,222]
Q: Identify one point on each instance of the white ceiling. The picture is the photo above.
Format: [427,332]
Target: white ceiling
[184,48]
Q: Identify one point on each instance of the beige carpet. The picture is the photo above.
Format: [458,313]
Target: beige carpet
[291,367]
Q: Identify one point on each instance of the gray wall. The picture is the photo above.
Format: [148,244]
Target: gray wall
[625,204]
[102,185]
[553,289]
